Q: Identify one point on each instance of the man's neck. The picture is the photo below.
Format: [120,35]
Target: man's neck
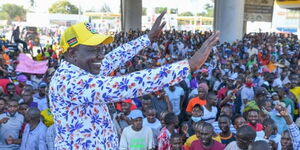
[41,95]
[209,145]
[208,106]
[33,124]
[171,129]
[225,134]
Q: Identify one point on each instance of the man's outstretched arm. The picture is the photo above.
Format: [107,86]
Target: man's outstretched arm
[125,52]
[87,88]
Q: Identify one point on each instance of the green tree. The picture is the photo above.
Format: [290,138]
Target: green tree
[11,12]
[187,13]
[159,10]
[144,11]
[209,11]
[63,7]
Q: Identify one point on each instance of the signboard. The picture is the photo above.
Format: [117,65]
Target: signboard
[258,10]
[288,3]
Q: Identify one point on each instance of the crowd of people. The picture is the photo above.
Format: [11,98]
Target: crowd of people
[246,96]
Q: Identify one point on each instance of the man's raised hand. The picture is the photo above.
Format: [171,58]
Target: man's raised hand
[157,27]
[200,56]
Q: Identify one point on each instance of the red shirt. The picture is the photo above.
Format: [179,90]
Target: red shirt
[3,83]
[257,127]
[197,145]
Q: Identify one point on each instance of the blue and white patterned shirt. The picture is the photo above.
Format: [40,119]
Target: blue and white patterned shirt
[295,135]
[78,99]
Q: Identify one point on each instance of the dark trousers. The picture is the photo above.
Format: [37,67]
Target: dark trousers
[17,41]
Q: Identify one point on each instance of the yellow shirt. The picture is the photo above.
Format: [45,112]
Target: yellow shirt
[296,92]
[192,138]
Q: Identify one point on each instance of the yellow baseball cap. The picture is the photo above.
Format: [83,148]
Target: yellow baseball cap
[84,34]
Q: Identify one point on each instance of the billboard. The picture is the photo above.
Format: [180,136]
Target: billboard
[258,10]
[288,3]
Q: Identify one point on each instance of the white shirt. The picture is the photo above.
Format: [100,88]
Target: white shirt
[209,116]
[136,140]
[174,97]
[156,126]
[35,139]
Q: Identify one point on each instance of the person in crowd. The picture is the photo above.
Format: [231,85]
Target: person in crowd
[16,37]
[137,136]
[40,97]
[244,137]
[23,108]
[121,119]
[286,141]
[271,133]
[194,137]
[247,91]
[279,120]
[171,122]
[225,110]
[146,103]
[11,91]
[252,118]
[176,142]
[2,105]
[152,122]
[176,96]
[10,126]
[197,113]
[209,109]
[34,136]
[27,98]
[161,102]
[226,135]
[290,105]
[200,99]
[292,134]
[205,141]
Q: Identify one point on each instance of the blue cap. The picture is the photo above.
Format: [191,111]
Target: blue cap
[135,114]
[43,84]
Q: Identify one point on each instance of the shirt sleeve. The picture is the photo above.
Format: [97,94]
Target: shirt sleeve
[295,135]
[122,54]
[151,141]
[189,107]
[123,141]
[104,89]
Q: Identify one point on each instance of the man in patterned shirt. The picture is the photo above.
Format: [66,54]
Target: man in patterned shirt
[81,86]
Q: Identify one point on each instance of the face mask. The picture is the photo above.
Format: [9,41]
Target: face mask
[122,71]
[196,119]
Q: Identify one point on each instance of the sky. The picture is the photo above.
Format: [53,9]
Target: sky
[42,6]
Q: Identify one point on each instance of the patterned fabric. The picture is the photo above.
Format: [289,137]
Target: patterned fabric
[163,139]
[295,135]
[78,99]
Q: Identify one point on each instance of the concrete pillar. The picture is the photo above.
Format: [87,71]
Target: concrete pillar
[228,19]
[131,14]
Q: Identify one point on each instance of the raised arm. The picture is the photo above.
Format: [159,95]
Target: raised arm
[122,54]
[127,51]
[81,87]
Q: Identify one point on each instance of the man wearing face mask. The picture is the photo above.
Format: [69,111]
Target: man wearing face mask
[80,88]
